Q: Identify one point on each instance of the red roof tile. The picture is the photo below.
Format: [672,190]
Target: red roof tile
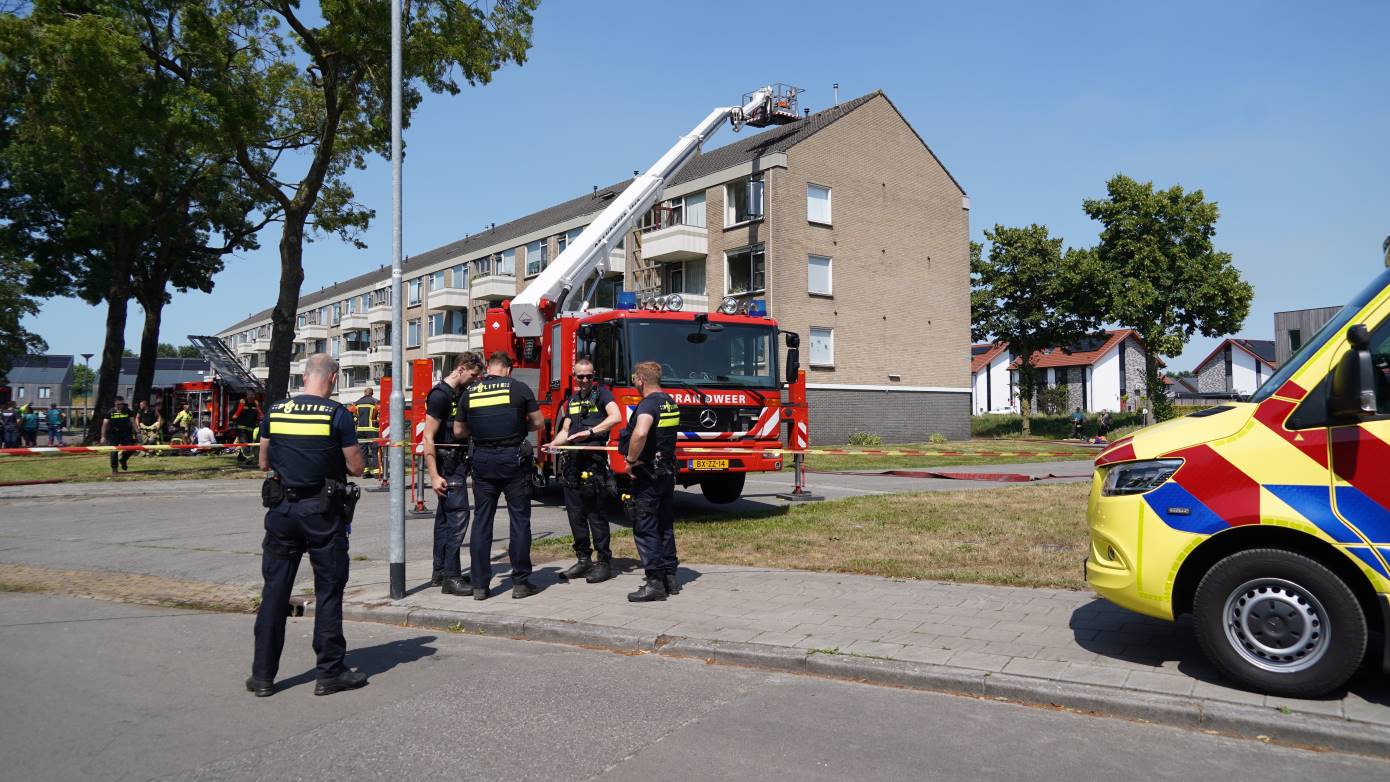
[1056,357]
[982,355]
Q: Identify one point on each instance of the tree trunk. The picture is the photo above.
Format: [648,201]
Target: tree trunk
[149,344]
[282,318]
[108,375]
[1157,405]
[1027,385]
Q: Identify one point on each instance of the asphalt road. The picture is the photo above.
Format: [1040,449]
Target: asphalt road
[97,690]
[211,530]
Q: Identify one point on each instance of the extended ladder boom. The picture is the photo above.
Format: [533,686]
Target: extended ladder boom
[562,279]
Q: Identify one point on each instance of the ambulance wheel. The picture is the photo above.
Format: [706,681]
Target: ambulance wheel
[723,489]
[1280,623]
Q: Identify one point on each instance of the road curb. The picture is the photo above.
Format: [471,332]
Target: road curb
[1253,722]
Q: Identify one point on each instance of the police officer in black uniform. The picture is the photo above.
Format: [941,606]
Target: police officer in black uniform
[649,445]
[496,413]
[119,429]
[368,419]
[310,443]
[447,463]
[586,416]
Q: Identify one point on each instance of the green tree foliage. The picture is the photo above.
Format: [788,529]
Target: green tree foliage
[290,90]
[1165,278]
[15,303]
[1032,295]
[83,379]
[108,167]
[166,350]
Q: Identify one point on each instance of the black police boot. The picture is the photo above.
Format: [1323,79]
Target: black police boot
[654,588]
[347,680]
[578,569]
[523,589]
[457,585]
[600,572]
[437,578]
[480,592]
[262,688]
[673,586]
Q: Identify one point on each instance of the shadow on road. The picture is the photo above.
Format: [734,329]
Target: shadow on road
[374,660]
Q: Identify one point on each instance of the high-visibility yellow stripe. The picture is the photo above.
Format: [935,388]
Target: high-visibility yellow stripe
[278,416]
[287,427]
[491,402]
[490,392]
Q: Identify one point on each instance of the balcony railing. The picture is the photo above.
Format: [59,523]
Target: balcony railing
[447,344]
[354,322]
[353,358]
[449,299]
[381,354]
[494,287]
[311,331]
[379,313]
[668,240]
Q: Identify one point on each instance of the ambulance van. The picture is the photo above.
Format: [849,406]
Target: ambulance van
[1267,520]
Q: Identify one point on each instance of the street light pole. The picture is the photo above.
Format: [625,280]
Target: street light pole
[400,428]
[87,395]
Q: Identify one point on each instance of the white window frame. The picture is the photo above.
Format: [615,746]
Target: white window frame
[45,392]
[412,325]
[505,265]
[442,316]
[810,341]
[460,275]
[436,280]
[829,204]
[730,217]
[415,291]
[829,275]
[536,254]
[751,251]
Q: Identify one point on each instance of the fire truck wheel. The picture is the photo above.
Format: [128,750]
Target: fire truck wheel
[1280,623]
[722,489]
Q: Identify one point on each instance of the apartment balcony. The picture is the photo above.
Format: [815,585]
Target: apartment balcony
[494,287]
[311,331]
[245,348]
[297,367]
[260,373]
[381,354]
[677,242]
[447,344]
[353,358]
[261,344]
[693,302]
[357,321]
[449,299]
[475,338]
[351,394]
[617,261]
[379,313]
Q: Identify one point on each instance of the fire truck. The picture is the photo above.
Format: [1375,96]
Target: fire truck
[722,367]
[226,389]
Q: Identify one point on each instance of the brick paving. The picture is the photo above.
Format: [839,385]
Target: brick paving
[1055,635]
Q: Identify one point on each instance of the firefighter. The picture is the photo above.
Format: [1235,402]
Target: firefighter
[151,423]
[496,414]
[119,429]
[448,468]
[586,417]
[183,423]
[310,444]
[246,418]
[649,445]
[367,412]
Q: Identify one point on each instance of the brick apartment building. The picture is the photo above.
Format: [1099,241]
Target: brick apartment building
[844,222]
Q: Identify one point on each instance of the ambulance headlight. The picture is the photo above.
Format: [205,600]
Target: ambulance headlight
[729,306]
[1138,477]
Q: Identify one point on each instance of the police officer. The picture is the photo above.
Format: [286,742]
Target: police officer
[586,417]
[496,413]
[649,445]
[119,429]
[368,417]
[448,467]
[310,443]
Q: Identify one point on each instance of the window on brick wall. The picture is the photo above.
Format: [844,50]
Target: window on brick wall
[822,352]
[414,287]
[818,204]
[745,271]
[685,277]
[412,334]
[818,281]
[743,200]
[536,257]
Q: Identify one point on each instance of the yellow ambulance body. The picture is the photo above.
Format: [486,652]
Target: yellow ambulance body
[1268,520]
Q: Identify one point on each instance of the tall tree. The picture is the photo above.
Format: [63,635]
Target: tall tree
[105,161]
[15,303]
[1166,279]
[1032,295]
[319,98]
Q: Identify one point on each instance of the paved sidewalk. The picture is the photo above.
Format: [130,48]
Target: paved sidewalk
[1043,642]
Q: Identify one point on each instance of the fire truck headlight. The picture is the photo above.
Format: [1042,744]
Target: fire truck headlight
[674,302]
[729,306]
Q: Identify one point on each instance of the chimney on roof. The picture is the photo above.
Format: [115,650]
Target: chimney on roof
[634,172]
[807,112]
[836,87]
[595,188]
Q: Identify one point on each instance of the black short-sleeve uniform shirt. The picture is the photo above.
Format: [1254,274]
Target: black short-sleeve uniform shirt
[307,436]
[495,410]
[148,416]
[586,411]
[442,405]
[120,426]
[666,421]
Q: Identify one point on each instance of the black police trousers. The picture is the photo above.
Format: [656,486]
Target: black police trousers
[654,522]
[451,521]
[584,506]
[122,456]
[499,472]
[291,529]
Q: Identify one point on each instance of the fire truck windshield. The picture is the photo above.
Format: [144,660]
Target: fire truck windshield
[735,355]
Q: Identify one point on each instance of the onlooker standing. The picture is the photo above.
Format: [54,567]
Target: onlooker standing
[9,425]
[1106,424]
[29,425]
[56,421]
[1078,418]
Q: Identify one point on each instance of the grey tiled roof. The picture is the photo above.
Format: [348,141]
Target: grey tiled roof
[54,370]
[1264,348]
[777,139]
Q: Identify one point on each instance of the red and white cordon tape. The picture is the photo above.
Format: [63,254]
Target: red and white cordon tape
[58,450]
[826,451]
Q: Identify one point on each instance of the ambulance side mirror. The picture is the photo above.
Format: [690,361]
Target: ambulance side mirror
[793,356]
[1353,393]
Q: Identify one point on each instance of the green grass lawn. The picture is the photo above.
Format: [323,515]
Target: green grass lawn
[976,451]
[97,467]
[1031,536]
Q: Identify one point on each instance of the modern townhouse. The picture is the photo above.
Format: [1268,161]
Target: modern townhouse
[845,223]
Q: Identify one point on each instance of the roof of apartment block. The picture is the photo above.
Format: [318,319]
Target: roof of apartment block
[1260,349]
[774,140]
[1086,353]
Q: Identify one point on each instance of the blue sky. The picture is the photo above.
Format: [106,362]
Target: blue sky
[1277,110]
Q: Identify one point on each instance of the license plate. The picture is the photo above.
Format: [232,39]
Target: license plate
[709,464]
